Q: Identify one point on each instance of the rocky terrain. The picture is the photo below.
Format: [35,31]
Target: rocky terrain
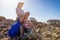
[48,31]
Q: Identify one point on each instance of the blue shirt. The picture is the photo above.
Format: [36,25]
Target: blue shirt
[14,29]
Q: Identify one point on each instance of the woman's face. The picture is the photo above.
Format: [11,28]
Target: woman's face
[20,5]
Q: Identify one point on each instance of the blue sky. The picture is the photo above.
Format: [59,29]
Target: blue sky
[42,10]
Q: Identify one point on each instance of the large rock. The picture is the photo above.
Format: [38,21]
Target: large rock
[2,18]
[8,21]
[54,22]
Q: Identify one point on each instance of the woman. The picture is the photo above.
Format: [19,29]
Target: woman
[14,31]
[20,12]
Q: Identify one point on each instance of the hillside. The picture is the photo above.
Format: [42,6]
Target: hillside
[48,31]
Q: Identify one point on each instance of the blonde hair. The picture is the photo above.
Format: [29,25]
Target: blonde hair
[20,3]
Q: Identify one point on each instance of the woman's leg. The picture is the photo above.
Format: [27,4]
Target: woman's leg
[22,18]
[26,15]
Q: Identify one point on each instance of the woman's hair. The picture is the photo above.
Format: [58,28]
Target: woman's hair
[20,3]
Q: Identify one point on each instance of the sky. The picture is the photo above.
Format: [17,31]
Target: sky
[42,10]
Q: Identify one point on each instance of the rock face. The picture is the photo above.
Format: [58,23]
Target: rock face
[2,18]
[54,22]
[4,26]
[47,31]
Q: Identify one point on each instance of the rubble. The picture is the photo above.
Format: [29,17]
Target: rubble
[47,31]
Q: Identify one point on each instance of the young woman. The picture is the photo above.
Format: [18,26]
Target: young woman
[14,31]
[20,12]
[21,16]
